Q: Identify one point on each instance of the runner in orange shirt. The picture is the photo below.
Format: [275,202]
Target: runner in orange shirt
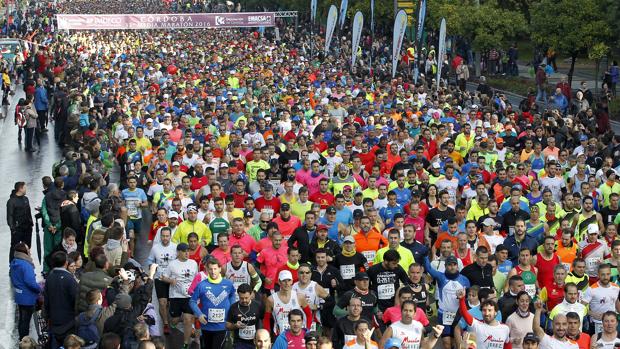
[368,241]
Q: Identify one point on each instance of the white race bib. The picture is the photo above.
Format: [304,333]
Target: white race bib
[347,271]
[566,266]
[268,211]
[448,318]
[247,332]
[592,263]
[385,291]
[370,255]
[531,289]
[215,315]
[598,327]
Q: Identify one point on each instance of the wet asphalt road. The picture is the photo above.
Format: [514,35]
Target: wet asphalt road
[18,165]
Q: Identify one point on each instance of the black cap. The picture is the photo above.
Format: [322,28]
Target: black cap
[182,247]
[285,207]
[357,213]
[330,209]
[361,276]
[451,260]
[311,336]
[531,337]
[248,214]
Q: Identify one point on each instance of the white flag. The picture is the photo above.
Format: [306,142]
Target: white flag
[332,17]
[313,4]
[343,12]
[441,50]
[358,24]
[400,24]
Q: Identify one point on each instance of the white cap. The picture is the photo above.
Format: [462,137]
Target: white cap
[245,141]
[436,165]
[173,214]
[149,120]
[285,275]
[176,163]
[593,228]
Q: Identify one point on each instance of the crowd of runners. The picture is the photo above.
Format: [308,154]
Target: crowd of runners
[280,197]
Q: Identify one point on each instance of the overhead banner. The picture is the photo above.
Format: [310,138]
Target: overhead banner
[372,16]
[166,21]
[313,6]
[441,50]
[343,12]
[358,23]
[332,17]
[400,24]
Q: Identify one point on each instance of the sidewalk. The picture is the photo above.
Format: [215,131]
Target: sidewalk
[556,76]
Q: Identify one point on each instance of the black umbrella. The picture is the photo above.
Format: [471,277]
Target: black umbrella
[36,224]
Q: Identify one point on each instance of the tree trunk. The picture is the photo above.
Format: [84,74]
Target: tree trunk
[573,58]
[477,69]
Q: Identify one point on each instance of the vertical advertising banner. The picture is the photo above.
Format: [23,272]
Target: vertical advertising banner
[400,24]
[313,5]
[441,50]
[332,17]
[358,24]
[343,12]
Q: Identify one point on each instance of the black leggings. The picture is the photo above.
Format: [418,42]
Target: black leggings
[213,339]
[25,314]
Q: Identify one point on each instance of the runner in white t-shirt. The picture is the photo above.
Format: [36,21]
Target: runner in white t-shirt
[560,326]
[409,331]
[601,296]
[490,333]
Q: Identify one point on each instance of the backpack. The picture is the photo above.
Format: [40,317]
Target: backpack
[87,328]
[20,118]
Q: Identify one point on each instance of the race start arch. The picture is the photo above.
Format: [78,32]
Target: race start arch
[170,21]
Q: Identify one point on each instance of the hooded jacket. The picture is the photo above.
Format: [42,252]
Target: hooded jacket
[53,199]
[18,212]
[26,290]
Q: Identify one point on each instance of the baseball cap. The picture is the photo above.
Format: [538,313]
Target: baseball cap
[248,214]
[192,208]
[451,260]
[361,276]
[499,140]
[330,209]
[285,207]
[311,336]
[583,138]
[348,238]
[223,164]
[149,120]
[198,126]
[488,222]
[393,343]
[436,165]
[347,187]
[182,247]
[268,187]
[173,214]
[321,227]
[357,213]
[285,275]
[176,163]
[593,229]
[531,337]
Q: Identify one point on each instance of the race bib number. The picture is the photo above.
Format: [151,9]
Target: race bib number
[216,315]
[268,211]
[592,263]
[247,332]
[385,291]
[598,327]
[347,271]
[448,318]
[411,345]
[370,255]
[348,338]
[132,207]
[566,266]
[531,289]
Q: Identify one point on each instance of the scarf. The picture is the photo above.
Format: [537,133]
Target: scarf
[112,244]
[22,255]
[360,291]
[348,254]
[522,314]
[292,266]
[71,248]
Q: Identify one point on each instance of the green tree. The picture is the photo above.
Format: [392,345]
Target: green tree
[571,27]
[596,53]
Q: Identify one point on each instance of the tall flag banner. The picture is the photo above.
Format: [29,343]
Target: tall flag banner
[441,50]
[343,12]
[313,5]
[332,17]
[400,24]
[372,16]
[418,35]
[358,24]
